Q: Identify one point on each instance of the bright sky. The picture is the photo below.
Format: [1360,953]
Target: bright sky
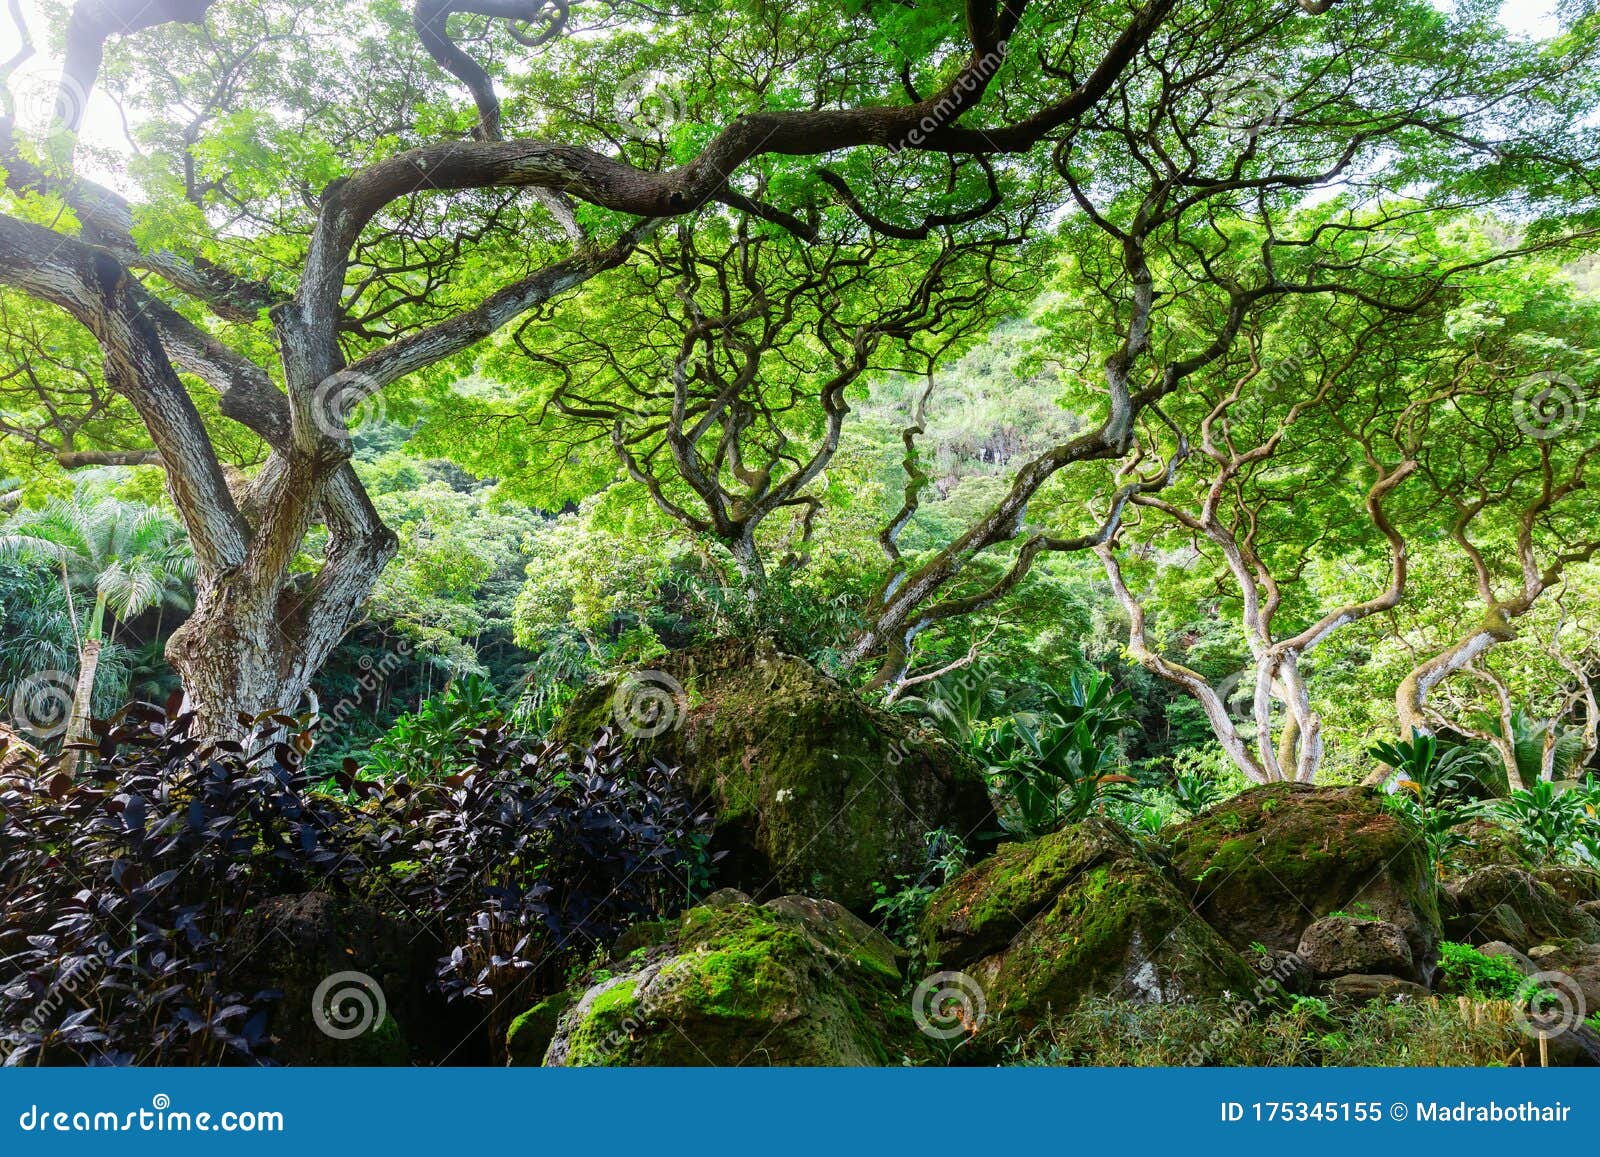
[33,84]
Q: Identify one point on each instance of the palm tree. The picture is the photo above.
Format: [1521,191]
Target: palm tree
[126,555]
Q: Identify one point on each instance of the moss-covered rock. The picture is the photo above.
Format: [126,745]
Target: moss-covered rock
[1509,904]
[795,981]
[1265,864]
[1488,843]
[1574,885]
[814,791]
[530,1034]
[1042,925]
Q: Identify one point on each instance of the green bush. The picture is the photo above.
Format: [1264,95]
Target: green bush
[1464,971]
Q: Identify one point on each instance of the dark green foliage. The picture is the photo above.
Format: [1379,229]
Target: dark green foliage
[1053,765]
[900,910]
[1555,825]
[426,743]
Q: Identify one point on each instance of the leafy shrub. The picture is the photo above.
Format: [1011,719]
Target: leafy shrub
[425,743]
[539,854]
[120,894]
[1430,789]
[1555,826]
[901,910]
[122,891]
[1464,971]
[1052,766]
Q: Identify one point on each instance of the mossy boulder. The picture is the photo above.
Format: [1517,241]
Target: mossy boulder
[1264,865]
[814,791]
[1040,926]
[530,1034]
[1488,843]
[795,981]
[1509,904]
[1574,885]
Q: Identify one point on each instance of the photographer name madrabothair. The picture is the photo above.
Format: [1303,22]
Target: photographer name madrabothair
[1461,1111]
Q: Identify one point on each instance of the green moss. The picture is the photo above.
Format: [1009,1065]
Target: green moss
[812,787]
[1266,863]
[530,1033]
[601,1036]
[788,983]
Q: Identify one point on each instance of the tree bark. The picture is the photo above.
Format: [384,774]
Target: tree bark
[82,703]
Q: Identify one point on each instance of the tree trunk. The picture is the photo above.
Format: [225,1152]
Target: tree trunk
[252,647]
[82,703]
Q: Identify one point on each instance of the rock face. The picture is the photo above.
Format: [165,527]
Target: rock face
[814,791]
[1361,988]
[1262,866]
[1041,925]
[296,943]
[1580,963]
[1340,946]
[1574,885]
[792,982]
[1504,951]
[1509,904]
